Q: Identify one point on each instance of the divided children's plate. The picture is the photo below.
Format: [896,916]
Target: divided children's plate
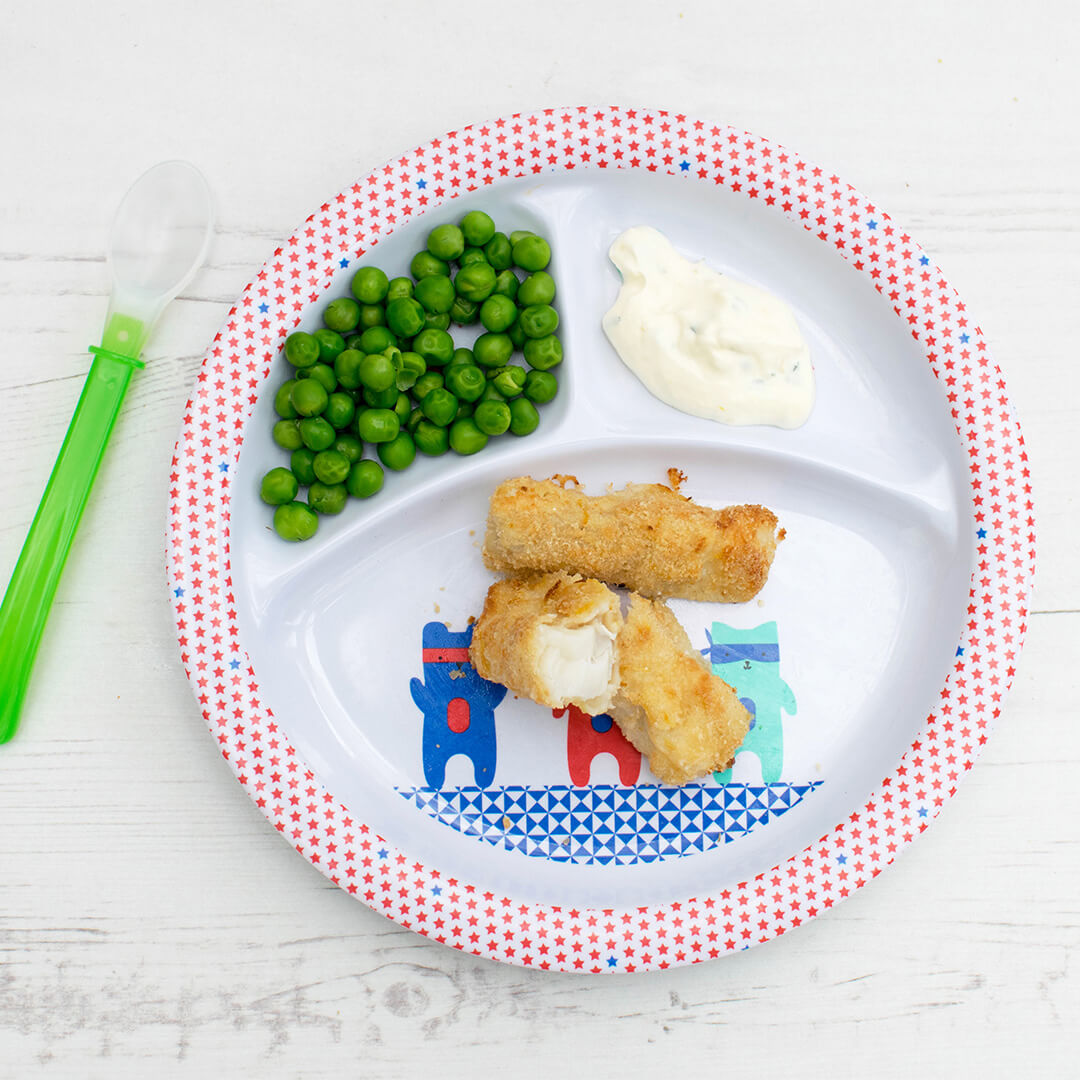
[334,673]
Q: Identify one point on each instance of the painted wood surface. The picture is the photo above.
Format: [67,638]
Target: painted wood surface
[151,922]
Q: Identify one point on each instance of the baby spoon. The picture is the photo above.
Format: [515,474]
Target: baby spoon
[159,238]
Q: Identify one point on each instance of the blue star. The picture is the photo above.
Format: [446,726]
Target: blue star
[923,811]
[959,652]
[436,890]
[234,664]
[871,224]
[421,184]
[612,961]
[344,263]
[178,592]
[924,261]
[981,534]
[965,338]
[224,466]
[383,853]
[684,165]
[841,859]
[264,307]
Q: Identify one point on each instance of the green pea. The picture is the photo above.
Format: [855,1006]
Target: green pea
[399,453]
[340,409]
[283,405]
[509,381]
[377,372]
[466,438]
[347,368]
[372,315]
[532,253]
[322,374]
[295,521]
[440,406]
[497,313]
[399,288]
[543,353]
[538,288]
[436,321]
[472,255]
[461,356]
[278,486]
[493,350]
[491,393]
[519,234]
[446,242]
[539,320]
[492,417]
[378,425]
[465,381]
[331,344]
[409,367]
[430,439]
[475,282]
[499,251]
[376,338]
[405,316]
[435,346]
[540,387]
[464,409]
[506,284]
[301,350]
[464,311]
[517,335]
[342,314]
[327,498]
[330,467]
[365,479]
[402,408]
[353,342]
[302,462]
[316,434]
[369,285]
[348,445]
[523,416]
[309,397]
[380,399]
[424,264]
[436,294]
[477,228]
[423,386]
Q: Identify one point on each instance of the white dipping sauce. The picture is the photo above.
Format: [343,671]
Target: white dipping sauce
[707,343]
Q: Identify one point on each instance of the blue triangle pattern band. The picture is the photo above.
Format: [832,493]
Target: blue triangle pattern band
[606,823]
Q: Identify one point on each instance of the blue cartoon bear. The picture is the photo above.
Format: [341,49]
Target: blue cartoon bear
[458,706]
[749,661]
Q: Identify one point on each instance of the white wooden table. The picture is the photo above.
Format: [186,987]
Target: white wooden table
[151,921]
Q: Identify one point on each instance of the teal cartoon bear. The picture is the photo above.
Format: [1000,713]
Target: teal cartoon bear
[749,660]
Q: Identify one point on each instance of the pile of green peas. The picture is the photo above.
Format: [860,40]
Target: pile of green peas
[384,372]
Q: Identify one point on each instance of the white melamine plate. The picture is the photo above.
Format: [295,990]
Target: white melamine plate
[875,658]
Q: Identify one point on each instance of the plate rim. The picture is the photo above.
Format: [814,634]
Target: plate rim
[523,932]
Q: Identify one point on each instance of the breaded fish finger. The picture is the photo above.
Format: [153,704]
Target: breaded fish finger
[685,720]
[647,537]
[551,638]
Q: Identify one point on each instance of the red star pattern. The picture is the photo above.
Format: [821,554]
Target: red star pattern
[460,913]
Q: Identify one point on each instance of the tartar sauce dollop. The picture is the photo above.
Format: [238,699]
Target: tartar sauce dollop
[707,343]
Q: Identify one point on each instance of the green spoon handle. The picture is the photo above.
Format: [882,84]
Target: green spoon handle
[30,593]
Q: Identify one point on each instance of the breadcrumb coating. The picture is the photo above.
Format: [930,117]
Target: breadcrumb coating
[687,721]
[646,537]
